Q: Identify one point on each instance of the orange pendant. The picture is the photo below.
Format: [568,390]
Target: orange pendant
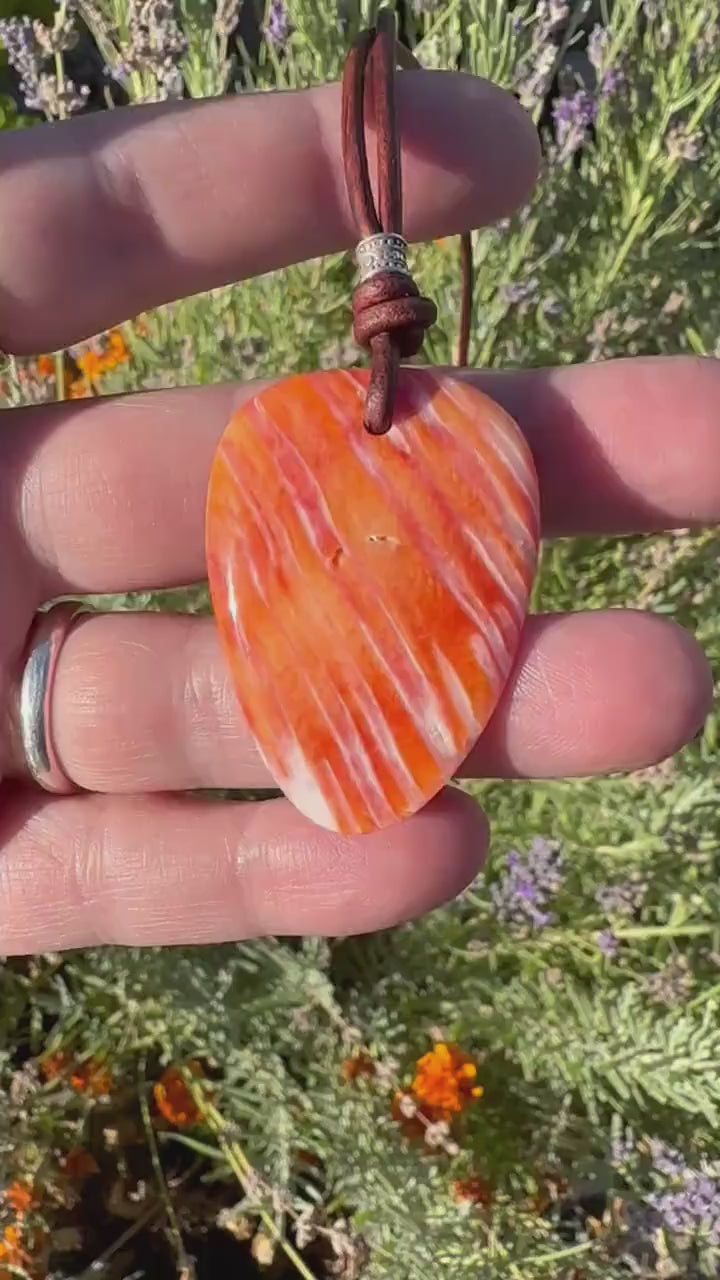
[370,591]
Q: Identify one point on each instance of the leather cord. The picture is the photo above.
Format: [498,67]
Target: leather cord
[390,317]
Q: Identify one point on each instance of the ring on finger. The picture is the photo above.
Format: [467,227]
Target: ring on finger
[47,636]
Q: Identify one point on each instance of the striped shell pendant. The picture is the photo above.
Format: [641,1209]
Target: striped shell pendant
[369,591]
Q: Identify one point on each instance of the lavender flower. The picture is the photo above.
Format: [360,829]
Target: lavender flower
[690,1205]
[601,331]
[227,15]
[681,145]
[608,943]
[621,899]
[573,117]
[611,81]
[534,86]
[552,306]
[156,44]
[671,984]
[153,51]
[536,68]
[30,45]
[597,46]
[623,1149]
[18,38]
[521,896]
[667,1160]
[277,27]
[519,291]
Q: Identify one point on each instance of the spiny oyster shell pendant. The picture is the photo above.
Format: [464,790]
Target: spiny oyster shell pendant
[370,591]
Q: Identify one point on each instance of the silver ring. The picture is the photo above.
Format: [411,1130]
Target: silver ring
[48,634]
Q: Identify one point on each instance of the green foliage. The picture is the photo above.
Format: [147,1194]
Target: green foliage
[10,117]
[617,254]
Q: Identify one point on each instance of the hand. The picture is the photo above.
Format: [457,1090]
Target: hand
[111,214]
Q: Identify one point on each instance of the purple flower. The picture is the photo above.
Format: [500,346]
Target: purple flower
[621,899]
[682,145]
[519,291]
[522,894]
[31,48]
[666,1160]
[552,307]
[536,68]
[19,40]
[609,78]
[278,27]
[672,984]
[608,943]
[597,45]
[573,117]
[611,81]
[690,1204]
[623,1149]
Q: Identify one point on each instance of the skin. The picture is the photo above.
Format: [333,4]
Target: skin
[112,214]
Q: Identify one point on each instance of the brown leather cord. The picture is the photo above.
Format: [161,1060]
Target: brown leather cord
[390,317]
[466,298]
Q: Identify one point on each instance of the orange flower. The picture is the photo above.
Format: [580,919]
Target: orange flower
[173,1098]
[140,326]
[473,1189]
[445,1079]
[79,1164]
[97,360]
[92,1077]
[54,1065]
[358,1064]
[90,364]
[117,351]
[45,366]
[11,1251]
[78,389]
[20,1197]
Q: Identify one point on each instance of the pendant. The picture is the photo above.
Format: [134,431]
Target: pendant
[370,591]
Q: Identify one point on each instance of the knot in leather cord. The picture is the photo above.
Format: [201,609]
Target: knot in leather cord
[389,315]
[390,303]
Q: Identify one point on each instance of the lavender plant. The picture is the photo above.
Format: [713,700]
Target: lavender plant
[581,972]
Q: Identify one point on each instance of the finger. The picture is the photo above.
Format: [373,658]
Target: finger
[115,212]
[629,445]
[143,702]
[162,870]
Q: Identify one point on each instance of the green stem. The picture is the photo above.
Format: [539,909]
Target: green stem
[557,1255]
[666,930]
[243,1171]
[59,376]
[184,1265]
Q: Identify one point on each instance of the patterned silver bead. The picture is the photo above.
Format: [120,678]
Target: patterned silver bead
[383,252]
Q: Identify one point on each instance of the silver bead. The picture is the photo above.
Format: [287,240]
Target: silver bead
[386,251]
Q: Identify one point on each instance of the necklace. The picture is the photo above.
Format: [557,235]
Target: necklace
[372,534]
